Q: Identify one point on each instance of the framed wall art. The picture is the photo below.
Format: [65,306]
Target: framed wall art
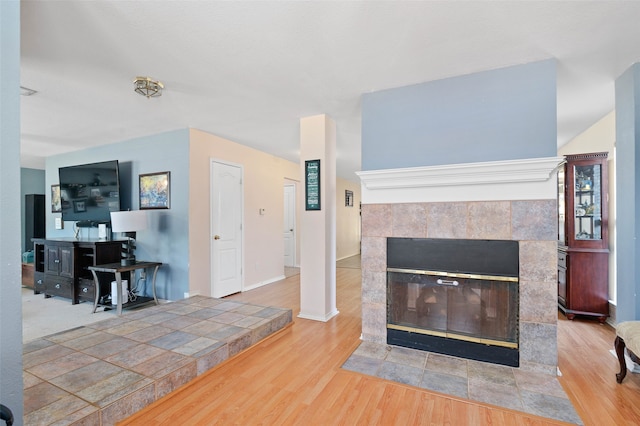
[155,190]
[348,198]
[56,201]
[312,184]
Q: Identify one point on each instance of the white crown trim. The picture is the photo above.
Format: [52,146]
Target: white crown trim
[495,180]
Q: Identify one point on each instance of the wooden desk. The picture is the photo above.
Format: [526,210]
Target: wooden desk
[118,269]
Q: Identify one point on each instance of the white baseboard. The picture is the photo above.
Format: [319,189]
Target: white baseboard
[325,318]
[263,283]
[348,256]
[611,319]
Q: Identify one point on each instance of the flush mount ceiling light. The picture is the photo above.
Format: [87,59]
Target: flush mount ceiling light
[148,87]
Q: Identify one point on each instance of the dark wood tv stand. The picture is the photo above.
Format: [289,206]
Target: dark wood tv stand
[61,266]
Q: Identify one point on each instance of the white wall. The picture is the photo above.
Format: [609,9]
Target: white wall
[347,220]
[264,177]
[601,137]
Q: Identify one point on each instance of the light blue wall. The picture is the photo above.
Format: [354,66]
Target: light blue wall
[166,239]
[31,182]
[509,113]
[10,288]
[628,190]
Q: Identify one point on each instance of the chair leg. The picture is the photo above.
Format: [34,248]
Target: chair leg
[620,345]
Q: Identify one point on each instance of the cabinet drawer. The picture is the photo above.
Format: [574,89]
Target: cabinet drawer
[59,286]
[562,260]
[38,282]
[86,290]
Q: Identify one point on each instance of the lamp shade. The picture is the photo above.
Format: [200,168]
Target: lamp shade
[128,221]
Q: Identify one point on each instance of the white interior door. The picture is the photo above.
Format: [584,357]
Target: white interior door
[226,229]
[289,225]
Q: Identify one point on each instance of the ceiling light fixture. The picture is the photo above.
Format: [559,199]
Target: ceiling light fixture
[148,87]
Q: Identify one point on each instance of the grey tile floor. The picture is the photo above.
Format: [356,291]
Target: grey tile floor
[102,372]
[538,394]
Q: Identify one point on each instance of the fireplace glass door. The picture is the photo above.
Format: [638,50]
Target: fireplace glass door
[475,308]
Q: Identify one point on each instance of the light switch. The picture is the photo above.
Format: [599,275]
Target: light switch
[59,223]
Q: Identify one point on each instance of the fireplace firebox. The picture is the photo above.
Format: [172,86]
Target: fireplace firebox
[456,297]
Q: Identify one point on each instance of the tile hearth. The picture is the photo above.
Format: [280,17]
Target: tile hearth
[512,388]
[103,372]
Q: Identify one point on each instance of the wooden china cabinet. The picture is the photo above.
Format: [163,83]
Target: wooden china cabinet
[583,244]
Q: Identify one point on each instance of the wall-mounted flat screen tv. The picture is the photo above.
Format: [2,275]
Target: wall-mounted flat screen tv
[89,192]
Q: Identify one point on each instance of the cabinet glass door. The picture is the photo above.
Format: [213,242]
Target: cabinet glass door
[587,203]
[561,208]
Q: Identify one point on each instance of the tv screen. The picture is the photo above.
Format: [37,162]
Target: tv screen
[89,192]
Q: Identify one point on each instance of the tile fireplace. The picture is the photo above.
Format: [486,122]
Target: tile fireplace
[508,201]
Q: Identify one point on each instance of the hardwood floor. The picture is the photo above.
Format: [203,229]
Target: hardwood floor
[294,377]
[589,369]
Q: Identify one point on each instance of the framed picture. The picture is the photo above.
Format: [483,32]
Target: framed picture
[312,184]
[155,190]
[80,206]
[56,201]
[348,198]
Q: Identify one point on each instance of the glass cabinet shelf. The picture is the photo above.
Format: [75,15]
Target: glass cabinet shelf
[587,211]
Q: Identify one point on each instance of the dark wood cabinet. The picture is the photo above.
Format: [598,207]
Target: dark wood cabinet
[583,246]
[58,259]
[34,218]
[61,266]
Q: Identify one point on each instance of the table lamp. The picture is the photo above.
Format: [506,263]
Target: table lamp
[128,223]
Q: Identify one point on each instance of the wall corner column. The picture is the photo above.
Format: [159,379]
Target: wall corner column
[627,91]
[11,383]
[318,227]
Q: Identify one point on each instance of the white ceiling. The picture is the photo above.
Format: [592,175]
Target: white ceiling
[248,71]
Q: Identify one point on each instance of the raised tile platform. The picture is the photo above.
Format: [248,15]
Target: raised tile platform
[104,372]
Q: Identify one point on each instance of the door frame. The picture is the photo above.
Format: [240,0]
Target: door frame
[213,160]
[295,219]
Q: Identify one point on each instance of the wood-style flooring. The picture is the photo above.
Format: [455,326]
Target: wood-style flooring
[294,377]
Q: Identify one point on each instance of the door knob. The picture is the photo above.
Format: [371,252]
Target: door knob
[216,237]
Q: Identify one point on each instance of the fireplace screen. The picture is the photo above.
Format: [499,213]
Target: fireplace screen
[474,308]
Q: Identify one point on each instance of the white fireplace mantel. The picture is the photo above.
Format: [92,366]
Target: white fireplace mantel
[528,179]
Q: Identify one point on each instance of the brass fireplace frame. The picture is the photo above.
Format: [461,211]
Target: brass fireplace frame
[485,341]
